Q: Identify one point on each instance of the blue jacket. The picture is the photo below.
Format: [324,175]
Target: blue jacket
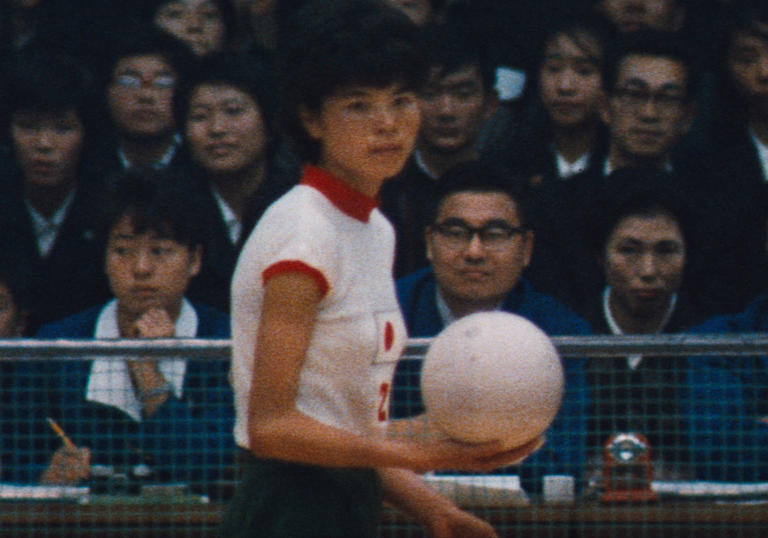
[187,439]
[723,398]
[564,452]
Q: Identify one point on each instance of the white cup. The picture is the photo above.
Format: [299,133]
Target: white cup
[558,489]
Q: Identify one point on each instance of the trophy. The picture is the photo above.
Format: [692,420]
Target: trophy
[627,469]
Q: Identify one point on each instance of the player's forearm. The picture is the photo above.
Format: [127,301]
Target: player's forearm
[407,491]
[294,436]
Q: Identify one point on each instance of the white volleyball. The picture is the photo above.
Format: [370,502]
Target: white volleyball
[492,376]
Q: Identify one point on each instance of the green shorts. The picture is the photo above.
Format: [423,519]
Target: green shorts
[276,499]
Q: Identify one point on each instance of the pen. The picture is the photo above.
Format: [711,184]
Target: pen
[56,428]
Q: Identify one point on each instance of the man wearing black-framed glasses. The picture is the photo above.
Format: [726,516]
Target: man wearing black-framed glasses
[650,85]
[479,244]
[648,105]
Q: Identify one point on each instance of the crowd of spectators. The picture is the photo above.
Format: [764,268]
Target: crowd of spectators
[596,164]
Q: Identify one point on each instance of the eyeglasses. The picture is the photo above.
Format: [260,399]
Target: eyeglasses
[493,236]
[134,82]
[638,97]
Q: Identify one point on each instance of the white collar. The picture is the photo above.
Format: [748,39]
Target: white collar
[417,157]
[566,169]
[634,360]
[164,160]
[762,153]
[443,309]
[110,383]
[234,226]
[107,327]
[46,230]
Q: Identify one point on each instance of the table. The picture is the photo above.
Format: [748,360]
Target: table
[62,519]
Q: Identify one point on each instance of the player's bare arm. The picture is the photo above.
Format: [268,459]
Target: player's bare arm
[278,430]
[407,492]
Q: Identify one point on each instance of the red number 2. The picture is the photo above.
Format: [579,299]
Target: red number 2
[384,393]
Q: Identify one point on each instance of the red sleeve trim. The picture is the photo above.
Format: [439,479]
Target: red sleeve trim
[296,266]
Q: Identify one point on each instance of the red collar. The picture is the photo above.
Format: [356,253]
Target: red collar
[345,198]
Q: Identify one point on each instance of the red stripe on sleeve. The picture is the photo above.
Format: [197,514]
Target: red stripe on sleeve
[296,266]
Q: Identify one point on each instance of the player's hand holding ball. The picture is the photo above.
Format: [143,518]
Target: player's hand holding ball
[492,382]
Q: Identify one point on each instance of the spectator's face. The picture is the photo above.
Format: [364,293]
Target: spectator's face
[454,108]
[475,273]
[748,68]
[365,133]
[644,260]
[418,11]
[148,271]
[570,80]
[47,147]
[647,113]
[198,23]
[11,320]
[140,96]
[633,15]
[225,130]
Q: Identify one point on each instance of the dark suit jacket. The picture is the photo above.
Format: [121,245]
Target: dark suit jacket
[71,278]
[735,199]
[188,439]
[646,399]
[212,285]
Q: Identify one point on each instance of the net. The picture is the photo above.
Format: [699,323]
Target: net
[672,444]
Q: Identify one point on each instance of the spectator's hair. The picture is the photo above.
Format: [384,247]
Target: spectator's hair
[669,45]
[744,20]
[156,201]
[578,26]
[147,10]
[479,176]
[331,45]
[449,47]
[144,40]
[238,71]
[643,192]
[37,79]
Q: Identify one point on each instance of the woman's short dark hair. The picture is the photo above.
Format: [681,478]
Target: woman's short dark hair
[38,79]
[330,45]
[157,201]
[639,192]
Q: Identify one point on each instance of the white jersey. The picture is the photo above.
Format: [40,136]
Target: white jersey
[336,235]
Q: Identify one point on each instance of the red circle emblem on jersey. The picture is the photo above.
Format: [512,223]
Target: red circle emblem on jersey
[389,336]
